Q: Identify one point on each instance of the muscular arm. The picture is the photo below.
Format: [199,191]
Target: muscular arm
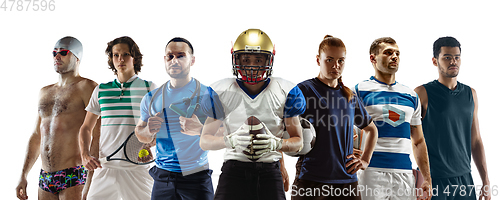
[477,149]
[33,150]
[422,95]
[94,151]
[420,151]
[210,140]
[294,129]
[284,173]
[88,128]
[90,136]
[86,134]
[418,139]
[417,136]
[371,141]
[32,153]
[86,139]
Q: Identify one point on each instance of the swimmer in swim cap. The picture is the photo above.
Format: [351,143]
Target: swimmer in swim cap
[55,139]
[72,44]
[68,53]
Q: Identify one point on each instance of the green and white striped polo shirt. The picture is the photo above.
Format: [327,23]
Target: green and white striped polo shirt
[118,104]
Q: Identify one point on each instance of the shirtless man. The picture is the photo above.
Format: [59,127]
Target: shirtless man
[61,112]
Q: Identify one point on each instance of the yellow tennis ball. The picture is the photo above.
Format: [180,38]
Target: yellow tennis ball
[143,153]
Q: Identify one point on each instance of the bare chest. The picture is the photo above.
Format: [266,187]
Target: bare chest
[57,101]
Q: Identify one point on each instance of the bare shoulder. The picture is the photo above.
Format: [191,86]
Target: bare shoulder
[86,84]
[473,91]
[474,95]
[47,87]
[47,90]
[421,92]
[86,87]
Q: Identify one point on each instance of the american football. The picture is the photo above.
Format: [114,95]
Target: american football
[255,127]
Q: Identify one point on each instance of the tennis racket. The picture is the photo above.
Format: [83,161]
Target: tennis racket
[136,152]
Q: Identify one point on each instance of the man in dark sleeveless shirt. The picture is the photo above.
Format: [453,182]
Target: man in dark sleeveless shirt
[451,128]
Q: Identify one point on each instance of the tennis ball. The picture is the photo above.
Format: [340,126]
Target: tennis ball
[143,153]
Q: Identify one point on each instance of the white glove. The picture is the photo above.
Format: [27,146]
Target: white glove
[239,140]
[266,142]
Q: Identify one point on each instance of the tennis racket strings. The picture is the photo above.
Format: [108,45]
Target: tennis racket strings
[137,152]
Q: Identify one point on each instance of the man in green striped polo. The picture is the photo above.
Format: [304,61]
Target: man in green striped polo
[118,103]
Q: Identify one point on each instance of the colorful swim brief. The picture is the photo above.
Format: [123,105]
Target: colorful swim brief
[55,182]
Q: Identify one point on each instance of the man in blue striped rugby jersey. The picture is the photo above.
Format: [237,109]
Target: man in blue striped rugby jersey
[395,110]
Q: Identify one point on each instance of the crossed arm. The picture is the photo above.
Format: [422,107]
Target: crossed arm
[363,160]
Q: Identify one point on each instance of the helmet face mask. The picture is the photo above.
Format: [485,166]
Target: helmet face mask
[252,68]
[252,56]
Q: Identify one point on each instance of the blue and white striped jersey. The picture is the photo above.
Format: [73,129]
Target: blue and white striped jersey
[393,109]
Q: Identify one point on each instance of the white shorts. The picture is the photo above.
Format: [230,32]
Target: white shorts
[111,184]
[375,185]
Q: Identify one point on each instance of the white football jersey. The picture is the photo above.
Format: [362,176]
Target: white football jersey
[268,106]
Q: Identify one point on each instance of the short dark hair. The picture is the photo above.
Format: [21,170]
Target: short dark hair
[134,51]
[375,47]
[179,39]
[445,42]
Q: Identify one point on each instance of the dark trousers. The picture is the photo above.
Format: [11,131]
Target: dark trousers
[250,180]
[455,188]
[174,186]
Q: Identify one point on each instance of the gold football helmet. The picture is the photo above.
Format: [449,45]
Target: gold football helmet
[253,41]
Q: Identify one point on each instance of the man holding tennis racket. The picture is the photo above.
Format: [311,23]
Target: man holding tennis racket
[61,112]
[170,116]
[117,102]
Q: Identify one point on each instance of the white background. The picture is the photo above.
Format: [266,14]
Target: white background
[295,27]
